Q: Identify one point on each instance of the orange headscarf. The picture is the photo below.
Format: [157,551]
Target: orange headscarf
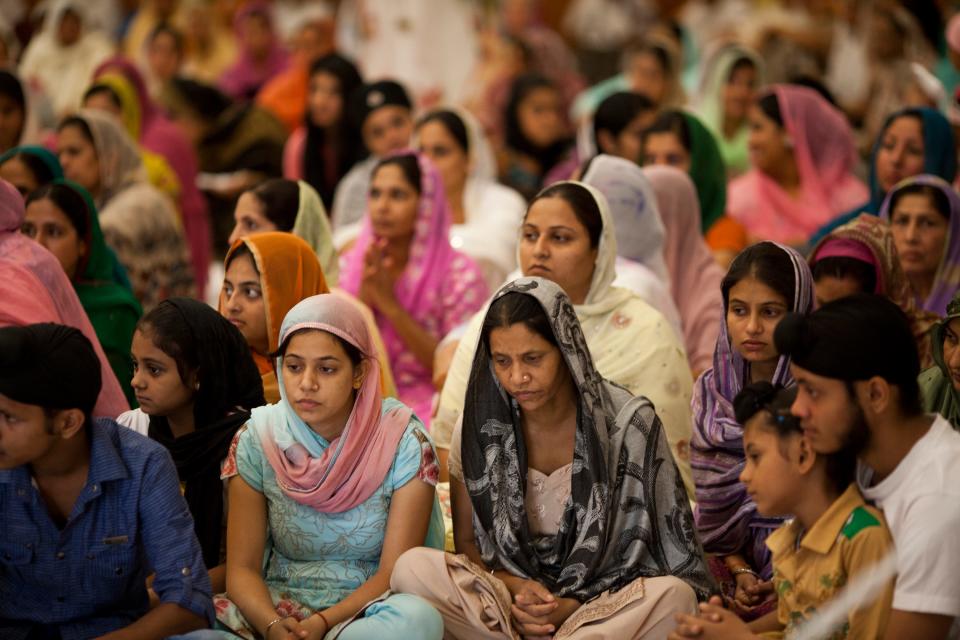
[290,272]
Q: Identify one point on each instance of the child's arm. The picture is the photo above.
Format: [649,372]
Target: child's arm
[767,622]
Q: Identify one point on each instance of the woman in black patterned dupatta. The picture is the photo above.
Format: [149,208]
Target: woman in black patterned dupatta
[569,512]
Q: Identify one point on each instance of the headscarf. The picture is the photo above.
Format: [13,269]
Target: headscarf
[117,154]
[716,75]
[229,388]
[947,279]
[424,287]
[633,205]
[247,75]
[27,270]
[936,383]
[159,135]
[318,164]
[824,150]
[104,291]
[313,226]
[628,514]
[727,518]
[695,276]
[939,159]
[869,239]
[289,272]
[43,154]
[633,345]
[336,476]
[707,171]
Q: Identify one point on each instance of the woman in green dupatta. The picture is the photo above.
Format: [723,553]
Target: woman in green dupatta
[680,140]
[940,384]
[62,217]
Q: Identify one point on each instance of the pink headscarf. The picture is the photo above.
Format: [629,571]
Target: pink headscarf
[337,476]
[247,75]
[36,289]
[825,153]
[440,287]
[694,275]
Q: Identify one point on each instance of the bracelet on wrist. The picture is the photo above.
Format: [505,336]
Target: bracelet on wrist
[326,623]
[741,570]
[266,632]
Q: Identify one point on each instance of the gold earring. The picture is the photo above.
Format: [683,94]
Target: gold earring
[357,383]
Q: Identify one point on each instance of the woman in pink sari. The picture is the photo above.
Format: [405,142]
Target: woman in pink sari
[403,267]
[34,288]
[802,155]
[261,54]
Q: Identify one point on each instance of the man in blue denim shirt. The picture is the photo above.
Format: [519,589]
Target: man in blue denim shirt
[88,509]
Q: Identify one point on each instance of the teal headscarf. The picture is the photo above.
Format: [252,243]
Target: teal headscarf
[42,154]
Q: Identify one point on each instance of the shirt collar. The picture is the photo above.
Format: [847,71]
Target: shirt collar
[824,533]
[106,463]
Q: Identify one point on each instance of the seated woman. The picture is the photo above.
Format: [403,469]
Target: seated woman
[34,288]
[540,411]
[802,160]
[485,215]
[912,141]
[277,204]
[940,384]
[568,236]
[138,222]
[924,217]
[196,384]
[62,217]
[327,489]
[694,274]
[535,134]
[639,230]
[28,168]
[328,144]
[403,267]
[764,283]
[731,75]
[860,257]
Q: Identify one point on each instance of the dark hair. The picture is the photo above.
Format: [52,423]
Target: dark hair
[166,328]
[79,123]
[280,199]
[514,137]
[348,143]
[617,111]
[776,401]
[452,122]
[206,101]
[40,169]
[766,262]
[583,204]
[658,51]
[67,200]
[770,106]
[170,30]
[811,82]
[670,121]
[11,87]
[513,308]
[864,274]
[243,249]
[408,165]
[355,355]
[103,89]
[741,63]
[937,197]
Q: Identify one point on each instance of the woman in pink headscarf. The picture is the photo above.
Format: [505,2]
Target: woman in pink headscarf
[261,54]
[34,288]
[694,274]
[403,267]
[802,155]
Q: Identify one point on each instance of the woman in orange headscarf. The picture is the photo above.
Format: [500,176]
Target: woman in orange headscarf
[266,275]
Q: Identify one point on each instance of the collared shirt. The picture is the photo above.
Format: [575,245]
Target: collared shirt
[809,568]
[88,578]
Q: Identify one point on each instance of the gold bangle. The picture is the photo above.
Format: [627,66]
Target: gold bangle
[266,632]
[744,569]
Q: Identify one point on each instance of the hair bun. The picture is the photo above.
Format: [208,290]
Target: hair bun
[752,398]
[790,332]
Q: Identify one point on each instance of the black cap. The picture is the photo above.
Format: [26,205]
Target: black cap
[370,97]
[853,338]
[49,365]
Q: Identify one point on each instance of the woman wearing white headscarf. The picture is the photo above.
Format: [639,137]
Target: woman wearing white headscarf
[486,214]
[63,57]
[632,344]
[139,223]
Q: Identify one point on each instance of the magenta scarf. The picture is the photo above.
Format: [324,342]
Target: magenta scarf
[247,75]
[335,476]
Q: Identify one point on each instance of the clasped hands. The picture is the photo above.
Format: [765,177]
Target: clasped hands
[536,613]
